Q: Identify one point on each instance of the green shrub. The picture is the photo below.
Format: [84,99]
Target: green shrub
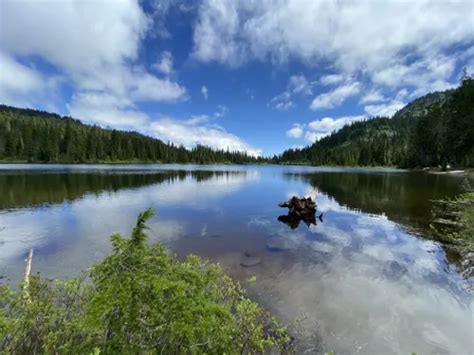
[138,300]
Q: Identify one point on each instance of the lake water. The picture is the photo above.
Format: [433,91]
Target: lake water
[364,280]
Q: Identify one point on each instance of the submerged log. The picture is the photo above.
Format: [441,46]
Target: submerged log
[26,280]
[299,206]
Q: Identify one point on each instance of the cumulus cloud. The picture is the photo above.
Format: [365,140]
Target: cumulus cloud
[142,86]
[372,96]
[164,64]
[312,137]
[297,85]
[93,45]
[358,38]
[384,109]
[327,125]
[22,85]
[317,129]
[377,105]
[17,77]
[296,131]
[107,111]
[425,75]
[331,79]
[336,97]
[205,92]
[198,130]
[77,36]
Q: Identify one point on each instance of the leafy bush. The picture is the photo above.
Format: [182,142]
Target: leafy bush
[138,300]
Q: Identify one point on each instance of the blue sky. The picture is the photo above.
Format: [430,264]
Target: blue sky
[260,76]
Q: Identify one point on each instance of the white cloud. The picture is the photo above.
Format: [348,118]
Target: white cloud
[17,77]
[221,111]
[331,79]
[360,38]
[372,96]
[402,94]
[24,86]
[327,125]
[282,102]
[312,137]
[317,129]
[387,109]
[336,97]
[93,45]
[164,64]
[205,92]
[107,110]
[296,131]
[284,106]
[297,85]
[142,86]
[198,130]
[429,74]
[77,36]
[214,36]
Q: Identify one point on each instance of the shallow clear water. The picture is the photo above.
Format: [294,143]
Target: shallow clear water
[364,280]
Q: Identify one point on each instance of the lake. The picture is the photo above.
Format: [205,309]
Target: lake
[365,279]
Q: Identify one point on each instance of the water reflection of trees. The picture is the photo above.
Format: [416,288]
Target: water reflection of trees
[24,189]
[403,197]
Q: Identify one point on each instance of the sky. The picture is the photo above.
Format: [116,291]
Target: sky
[257,76]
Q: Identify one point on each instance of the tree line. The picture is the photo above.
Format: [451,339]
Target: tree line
[434,130]
[38,136]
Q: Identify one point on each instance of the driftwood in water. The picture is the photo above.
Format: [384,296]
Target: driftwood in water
[300,206]
[293,220]
[26,279]
[299,209]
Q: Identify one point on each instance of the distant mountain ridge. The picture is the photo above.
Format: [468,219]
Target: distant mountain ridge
[419,106]
[434,130]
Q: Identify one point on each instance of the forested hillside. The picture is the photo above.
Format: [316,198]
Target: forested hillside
[37,136]
[437,129]
[434,130]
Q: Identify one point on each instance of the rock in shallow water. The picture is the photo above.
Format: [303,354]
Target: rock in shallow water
[278,244]
[249,261]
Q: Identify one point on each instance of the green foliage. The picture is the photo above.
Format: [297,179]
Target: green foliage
[50,321]
[138,300]
[437,129]
[252,279]
[37,136]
